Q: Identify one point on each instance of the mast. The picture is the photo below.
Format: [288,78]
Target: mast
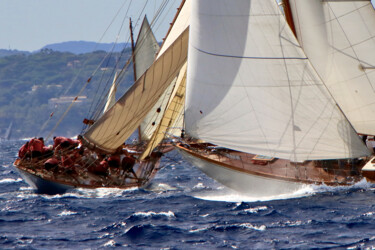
[135,73]
[172,23]
[289,16]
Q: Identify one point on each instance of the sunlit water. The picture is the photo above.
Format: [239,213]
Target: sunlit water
[182,209]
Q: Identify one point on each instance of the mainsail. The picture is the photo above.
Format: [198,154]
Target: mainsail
[338,38]
[250,86]
[118,123]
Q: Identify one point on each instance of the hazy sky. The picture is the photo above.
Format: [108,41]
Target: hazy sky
[31,24]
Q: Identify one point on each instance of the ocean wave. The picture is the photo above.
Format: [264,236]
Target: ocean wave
[151,214]
[66,213]
[255,209]
[229,227]
[10,180]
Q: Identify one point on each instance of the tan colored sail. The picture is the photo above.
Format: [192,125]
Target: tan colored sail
[152,120]
[118,123]
[171,114]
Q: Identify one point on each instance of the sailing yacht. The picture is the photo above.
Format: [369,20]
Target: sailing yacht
[276,98]
[88,159]
[263,99]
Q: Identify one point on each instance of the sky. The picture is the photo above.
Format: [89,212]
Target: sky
[31,24]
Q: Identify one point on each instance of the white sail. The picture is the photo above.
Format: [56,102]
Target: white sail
[338,37]
[111,98]
[144,53]
[250,87]
[171,115]
[181,23]
[145,48]
[152,120]
[119,122]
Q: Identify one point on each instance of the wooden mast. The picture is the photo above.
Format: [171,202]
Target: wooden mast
[289,16]
[134,72]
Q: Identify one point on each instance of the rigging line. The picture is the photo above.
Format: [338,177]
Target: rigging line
[120,77]
[251,57]
[101,102]
[284,26]
[66,112]
[101,38]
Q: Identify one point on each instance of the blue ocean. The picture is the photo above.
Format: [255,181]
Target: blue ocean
[181,209]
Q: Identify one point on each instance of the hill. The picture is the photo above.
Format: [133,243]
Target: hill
[5,52]
[81,47]
[33,86]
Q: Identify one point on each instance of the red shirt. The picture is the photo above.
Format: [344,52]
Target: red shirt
[36,145]
[23,150]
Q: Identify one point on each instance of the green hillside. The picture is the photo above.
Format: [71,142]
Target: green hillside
[32,87]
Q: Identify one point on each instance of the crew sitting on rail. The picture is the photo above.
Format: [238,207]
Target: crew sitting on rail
[127,164]
[51,164]
[64,142]
[36,147]
[23,152]
[100,169]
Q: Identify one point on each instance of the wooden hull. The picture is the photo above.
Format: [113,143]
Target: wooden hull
[249,175]
[47,183]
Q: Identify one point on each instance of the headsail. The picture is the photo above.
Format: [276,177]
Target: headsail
[118,123]
[172,113]
[111,98]
[250,87]
[338,37]
[145,49]
[152,120]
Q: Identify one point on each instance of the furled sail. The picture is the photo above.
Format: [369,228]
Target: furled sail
[119,122]
[338,38]
[250,87]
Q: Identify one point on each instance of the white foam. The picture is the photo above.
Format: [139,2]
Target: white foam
[110,243]
[250,226]
[151,213]
[255,209]
[10,180]
[228,195]
[199,186]
[159,187]
[103,192]
[66,213]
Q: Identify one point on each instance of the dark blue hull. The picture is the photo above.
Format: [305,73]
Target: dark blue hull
[44,186]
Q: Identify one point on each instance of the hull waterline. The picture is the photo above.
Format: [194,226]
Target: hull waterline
[263,177]
[44,186]
[255,186]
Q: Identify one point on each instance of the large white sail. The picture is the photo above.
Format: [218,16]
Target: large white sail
[338,37]
[250,87]
[181,23]
[119,122]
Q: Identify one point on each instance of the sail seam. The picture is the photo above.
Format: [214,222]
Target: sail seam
[251,57]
